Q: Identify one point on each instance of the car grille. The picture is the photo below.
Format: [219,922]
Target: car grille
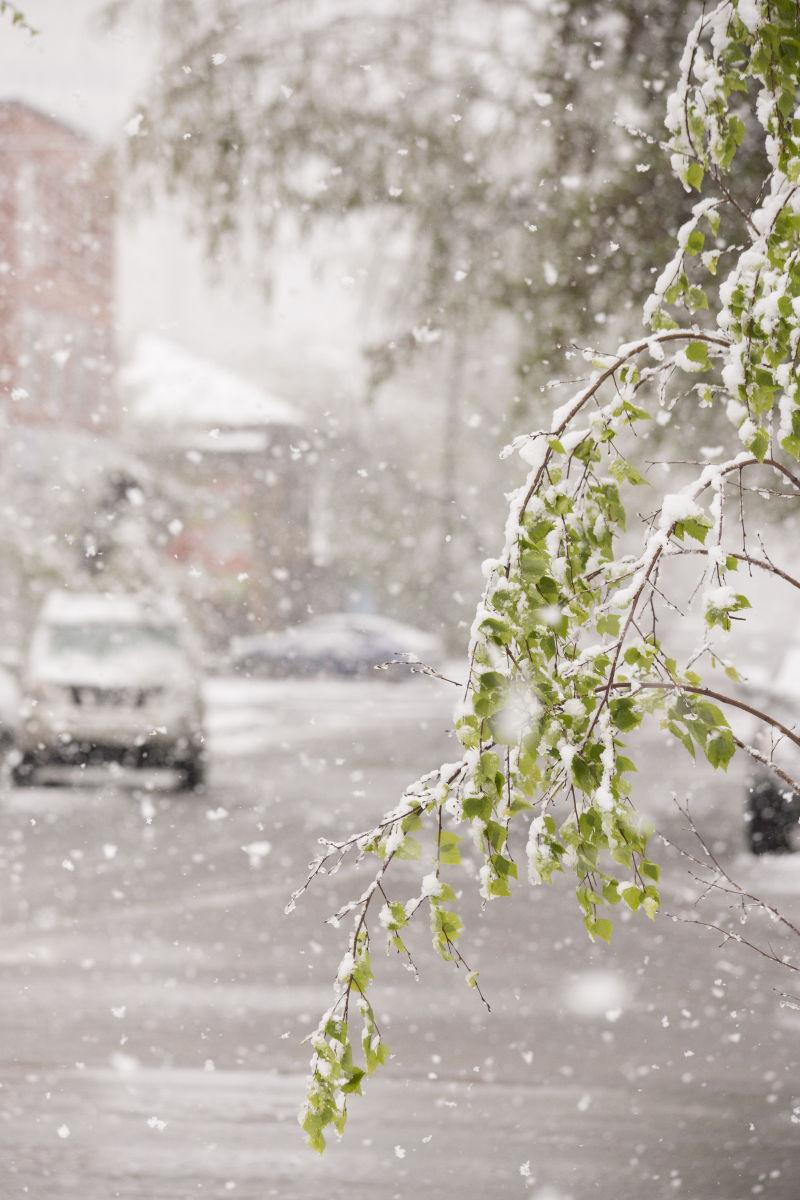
[101,697]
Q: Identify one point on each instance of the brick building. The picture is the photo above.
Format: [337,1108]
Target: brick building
[171,468]
[57,345]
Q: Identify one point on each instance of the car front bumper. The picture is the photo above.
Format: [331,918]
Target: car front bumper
[68,732]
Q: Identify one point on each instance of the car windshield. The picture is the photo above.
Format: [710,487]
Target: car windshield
[109,639]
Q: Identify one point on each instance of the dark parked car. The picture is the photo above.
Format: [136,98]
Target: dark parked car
[9,708]
[772,812]
[345,644]
[772,807]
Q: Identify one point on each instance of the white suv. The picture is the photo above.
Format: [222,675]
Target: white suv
[111,677]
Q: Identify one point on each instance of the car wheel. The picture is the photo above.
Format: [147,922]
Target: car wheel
[768,817]
[193,772]
[23,773]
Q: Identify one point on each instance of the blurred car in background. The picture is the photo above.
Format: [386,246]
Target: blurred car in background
[772,807]
[111,678]
[9,708]
[343,644]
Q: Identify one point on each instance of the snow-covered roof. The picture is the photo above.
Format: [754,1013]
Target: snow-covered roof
[168,385]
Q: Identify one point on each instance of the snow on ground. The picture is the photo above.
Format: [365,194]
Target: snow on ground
[155,997]
[251,716]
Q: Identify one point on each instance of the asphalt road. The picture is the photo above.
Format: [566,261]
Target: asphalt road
[154,996]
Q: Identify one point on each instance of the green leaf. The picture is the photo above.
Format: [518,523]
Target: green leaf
[533,565]
[759,444]
[623,471]
[695,242]
[446,922]
[312,1127]
[398,915]
[495,834]
[496,630]
[498,887]
[486,704]
[697,352]
[682,736]
[791,445]
[373,1057]
[696,298]
[409,848]
[504,866]
[624,714]
[491,680]
[449,853]
[477,806]
[710,714]
[711,261]
[634,413]
[354,1081]
[598,927]
[547,589]
[583,774]
[697,528]
[608,623]
[720,748]
[694,175]
[488,767]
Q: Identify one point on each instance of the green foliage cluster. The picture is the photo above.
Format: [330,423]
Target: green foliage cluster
[566,657]
[334,1075]
[729,55]
[461,134]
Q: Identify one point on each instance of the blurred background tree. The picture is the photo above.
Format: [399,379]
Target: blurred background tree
[484,147]
[477,136]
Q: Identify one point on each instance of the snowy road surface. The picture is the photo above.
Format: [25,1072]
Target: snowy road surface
[154,995]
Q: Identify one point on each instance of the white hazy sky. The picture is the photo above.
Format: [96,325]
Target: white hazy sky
[304,344]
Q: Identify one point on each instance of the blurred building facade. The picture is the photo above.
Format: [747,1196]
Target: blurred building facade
[170,472]
[57,277]
[235,462]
